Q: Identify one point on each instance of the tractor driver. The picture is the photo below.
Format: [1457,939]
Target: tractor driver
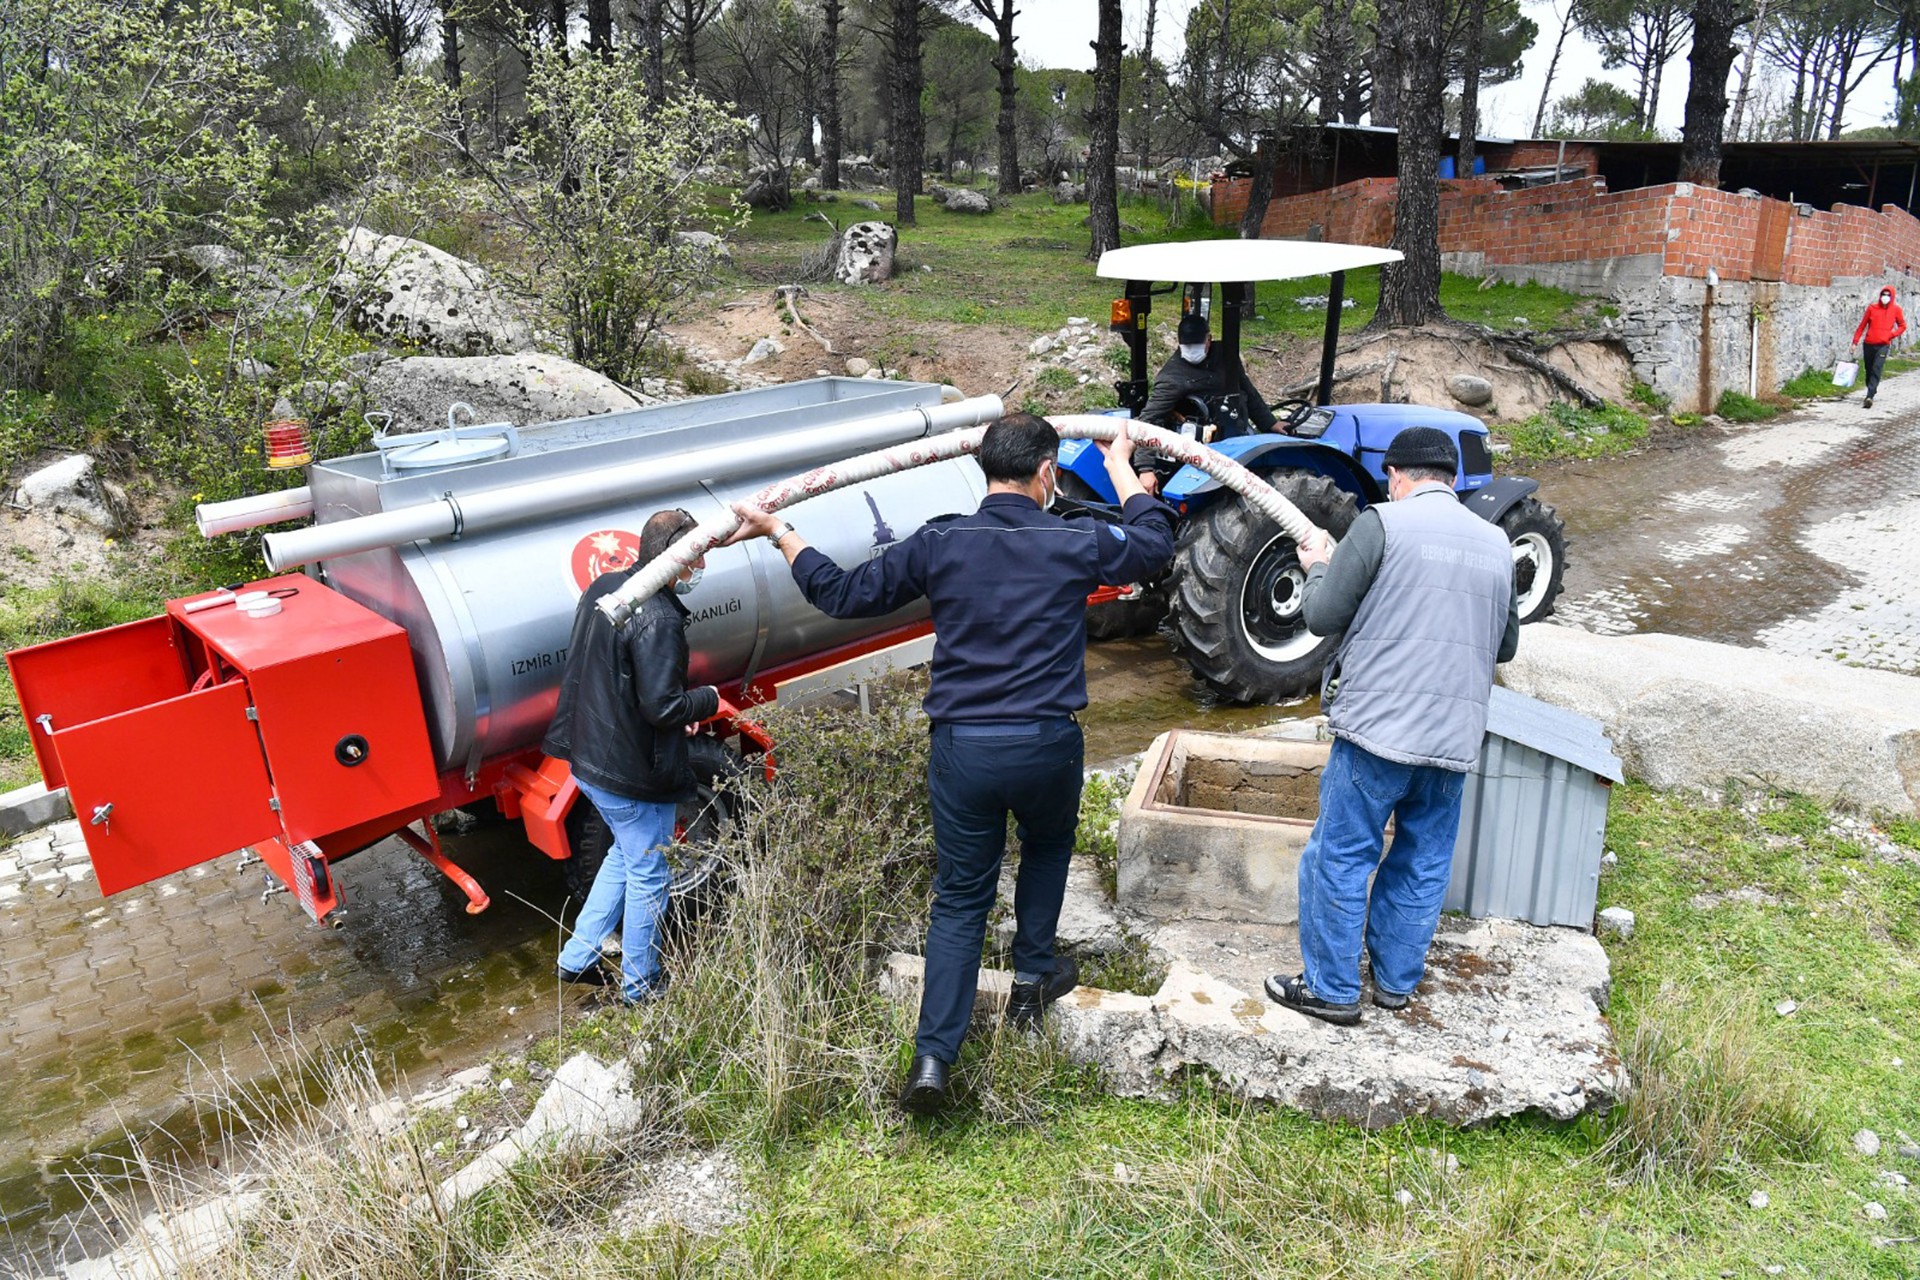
[1195,370]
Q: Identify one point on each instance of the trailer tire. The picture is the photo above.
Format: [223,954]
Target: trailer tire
[1236,594]
[698,862]
[1539,541]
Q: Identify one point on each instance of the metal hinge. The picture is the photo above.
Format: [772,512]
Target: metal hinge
[253,714]
[274,804]
[45,721]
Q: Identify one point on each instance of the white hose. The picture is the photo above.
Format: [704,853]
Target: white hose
[620,603]
[216,518]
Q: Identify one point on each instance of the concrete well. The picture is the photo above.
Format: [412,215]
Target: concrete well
[1215,825]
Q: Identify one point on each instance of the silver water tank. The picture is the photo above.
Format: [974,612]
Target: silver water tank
[489,614]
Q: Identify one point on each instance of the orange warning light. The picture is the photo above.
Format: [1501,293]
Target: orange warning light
[1122,316]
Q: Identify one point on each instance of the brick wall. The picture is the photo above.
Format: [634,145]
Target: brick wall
[1554,231]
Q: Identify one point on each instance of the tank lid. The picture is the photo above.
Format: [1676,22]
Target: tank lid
[446,452]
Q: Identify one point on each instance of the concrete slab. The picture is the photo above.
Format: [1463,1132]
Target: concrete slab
[1511,1019]
[31,807]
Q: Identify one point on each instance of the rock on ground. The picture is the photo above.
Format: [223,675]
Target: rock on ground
[74,487]
[518,388]
[172,1244]
[1688,713]
[964,200]
[1470,389]
[404,288]
[1509,1020]
[865,255]
[704,246]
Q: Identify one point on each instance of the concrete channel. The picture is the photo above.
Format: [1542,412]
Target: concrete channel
[122,1015]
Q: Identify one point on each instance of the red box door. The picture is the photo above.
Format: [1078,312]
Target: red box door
[156,788]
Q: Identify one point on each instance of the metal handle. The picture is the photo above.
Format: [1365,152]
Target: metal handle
[102,815]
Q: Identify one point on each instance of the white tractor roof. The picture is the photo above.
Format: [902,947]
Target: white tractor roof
[1213,261]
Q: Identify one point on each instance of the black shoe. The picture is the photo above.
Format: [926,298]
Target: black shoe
[925,1093]
[1292,992]
[1390,999]
[1869,402]
[591,976]
[1027,1002]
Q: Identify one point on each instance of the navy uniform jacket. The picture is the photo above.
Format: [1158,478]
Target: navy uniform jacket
[1008,586]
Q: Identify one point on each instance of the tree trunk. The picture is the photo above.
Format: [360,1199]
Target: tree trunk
[1333,59]
[1470,87]
[559,16]
[1410,289]
[1754,32]
[1103,134]
[600,29]
[450,66]
[1146,95]
[1384,62]
[830,97]
[653,60]
[908,128]
[1710,62]
[1553,65]
[689,59]
[1007,127]
[1259,189]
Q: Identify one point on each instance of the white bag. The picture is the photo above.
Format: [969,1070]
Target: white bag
[1843,373]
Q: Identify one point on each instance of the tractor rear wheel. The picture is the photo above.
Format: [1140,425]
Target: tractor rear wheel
[1237,587]
[1539,542]
[698,825]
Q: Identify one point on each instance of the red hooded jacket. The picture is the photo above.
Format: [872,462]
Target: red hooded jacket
[1881,324]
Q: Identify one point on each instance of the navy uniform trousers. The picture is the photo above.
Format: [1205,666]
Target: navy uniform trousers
[977,775]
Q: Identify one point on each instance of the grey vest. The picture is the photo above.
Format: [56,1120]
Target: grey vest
[1416,667]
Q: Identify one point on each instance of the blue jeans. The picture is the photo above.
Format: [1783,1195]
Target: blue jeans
[1359,791]
[976,775]
[629,891]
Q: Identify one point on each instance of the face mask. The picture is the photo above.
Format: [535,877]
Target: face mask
[686,585]
[1194,354]
[1052,491]
[1886,299]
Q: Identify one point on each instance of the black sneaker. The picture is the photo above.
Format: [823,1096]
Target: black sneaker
[1292,992]
[591,976]
[1027,1002]
[1869,402]
[1393,1000]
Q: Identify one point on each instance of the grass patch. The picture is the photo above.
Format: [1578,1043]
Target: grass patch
[1649,399]
[1024,266]
[1814,384]
[1736,406]
[1570,431]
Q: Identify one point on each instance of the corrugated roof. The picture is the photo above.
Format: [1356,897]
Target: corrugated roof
[1555,730]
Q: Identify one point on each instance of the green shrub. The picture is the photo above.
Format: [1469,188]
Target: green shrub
[1735,406]
[1813,384]
[1645,396]
[1569,431]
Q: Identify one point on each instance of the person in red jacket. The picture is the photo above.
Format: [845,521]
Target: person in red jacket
[1881,325]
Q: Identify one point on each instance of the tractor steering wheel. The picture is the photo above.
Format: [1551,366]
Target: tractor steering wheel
[1289,413]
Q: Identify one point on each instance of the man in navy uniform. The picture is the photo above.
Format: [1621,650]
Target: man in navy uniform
[1008,587]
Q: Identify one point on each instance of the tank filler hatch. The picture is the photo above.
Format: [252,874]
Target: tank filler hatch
[459,443]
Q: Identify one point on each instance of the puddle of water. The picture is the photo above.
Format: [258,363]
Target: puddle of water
[1137,690]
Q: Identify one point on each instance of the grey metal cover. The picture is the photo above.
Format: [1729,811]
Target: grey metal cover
[1533,816]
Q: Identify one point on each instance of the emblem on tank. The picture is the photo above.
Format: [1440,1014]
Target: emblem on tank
[603,551]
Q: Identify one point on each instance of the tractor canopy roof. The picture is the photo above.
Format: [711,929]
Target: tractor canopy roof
[1215,261]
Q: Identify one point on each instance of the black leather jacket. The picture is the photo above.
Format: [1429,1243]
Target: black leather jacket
[1177,380]
[624,703]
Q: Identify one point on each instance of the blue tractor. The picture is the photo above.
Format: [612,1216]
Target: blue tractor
[1234,592]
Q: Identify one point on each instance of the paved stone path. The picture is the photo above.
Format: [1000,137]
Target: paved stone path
[1800,535]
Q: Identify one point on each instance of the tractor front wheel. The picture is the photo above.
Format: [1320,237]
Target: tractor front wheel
[695,856]
[1539,542]
[1237,594]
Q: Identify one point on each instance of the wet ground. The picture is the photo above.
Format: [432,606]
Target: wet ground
[122,1014]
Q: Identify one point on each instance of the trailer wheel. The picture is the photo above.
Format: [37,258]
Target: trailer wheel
[1237,594]
[698,825]
[1539,542]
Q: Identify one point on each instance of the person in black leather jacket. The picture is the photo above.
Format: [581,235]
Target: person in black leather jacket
[1195,370]
[622,724]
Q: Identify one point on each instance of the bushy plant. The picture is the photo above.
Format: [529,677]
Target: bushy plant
[1570,431]
[1736,406]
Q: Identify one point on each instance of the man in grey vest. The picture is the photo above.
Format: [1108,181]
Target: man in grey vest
[1423,590]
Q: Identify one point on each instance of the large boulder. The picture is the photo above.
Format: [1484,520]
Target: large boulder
[1687,713]
[1069,193]
[74,488]
[865,255]
[967,200]
[703,247]
[406,289]
[524,388]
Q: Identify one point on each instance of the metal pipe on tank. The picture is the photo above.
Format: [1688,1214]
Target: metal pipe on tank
[253,511]
[562,495]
